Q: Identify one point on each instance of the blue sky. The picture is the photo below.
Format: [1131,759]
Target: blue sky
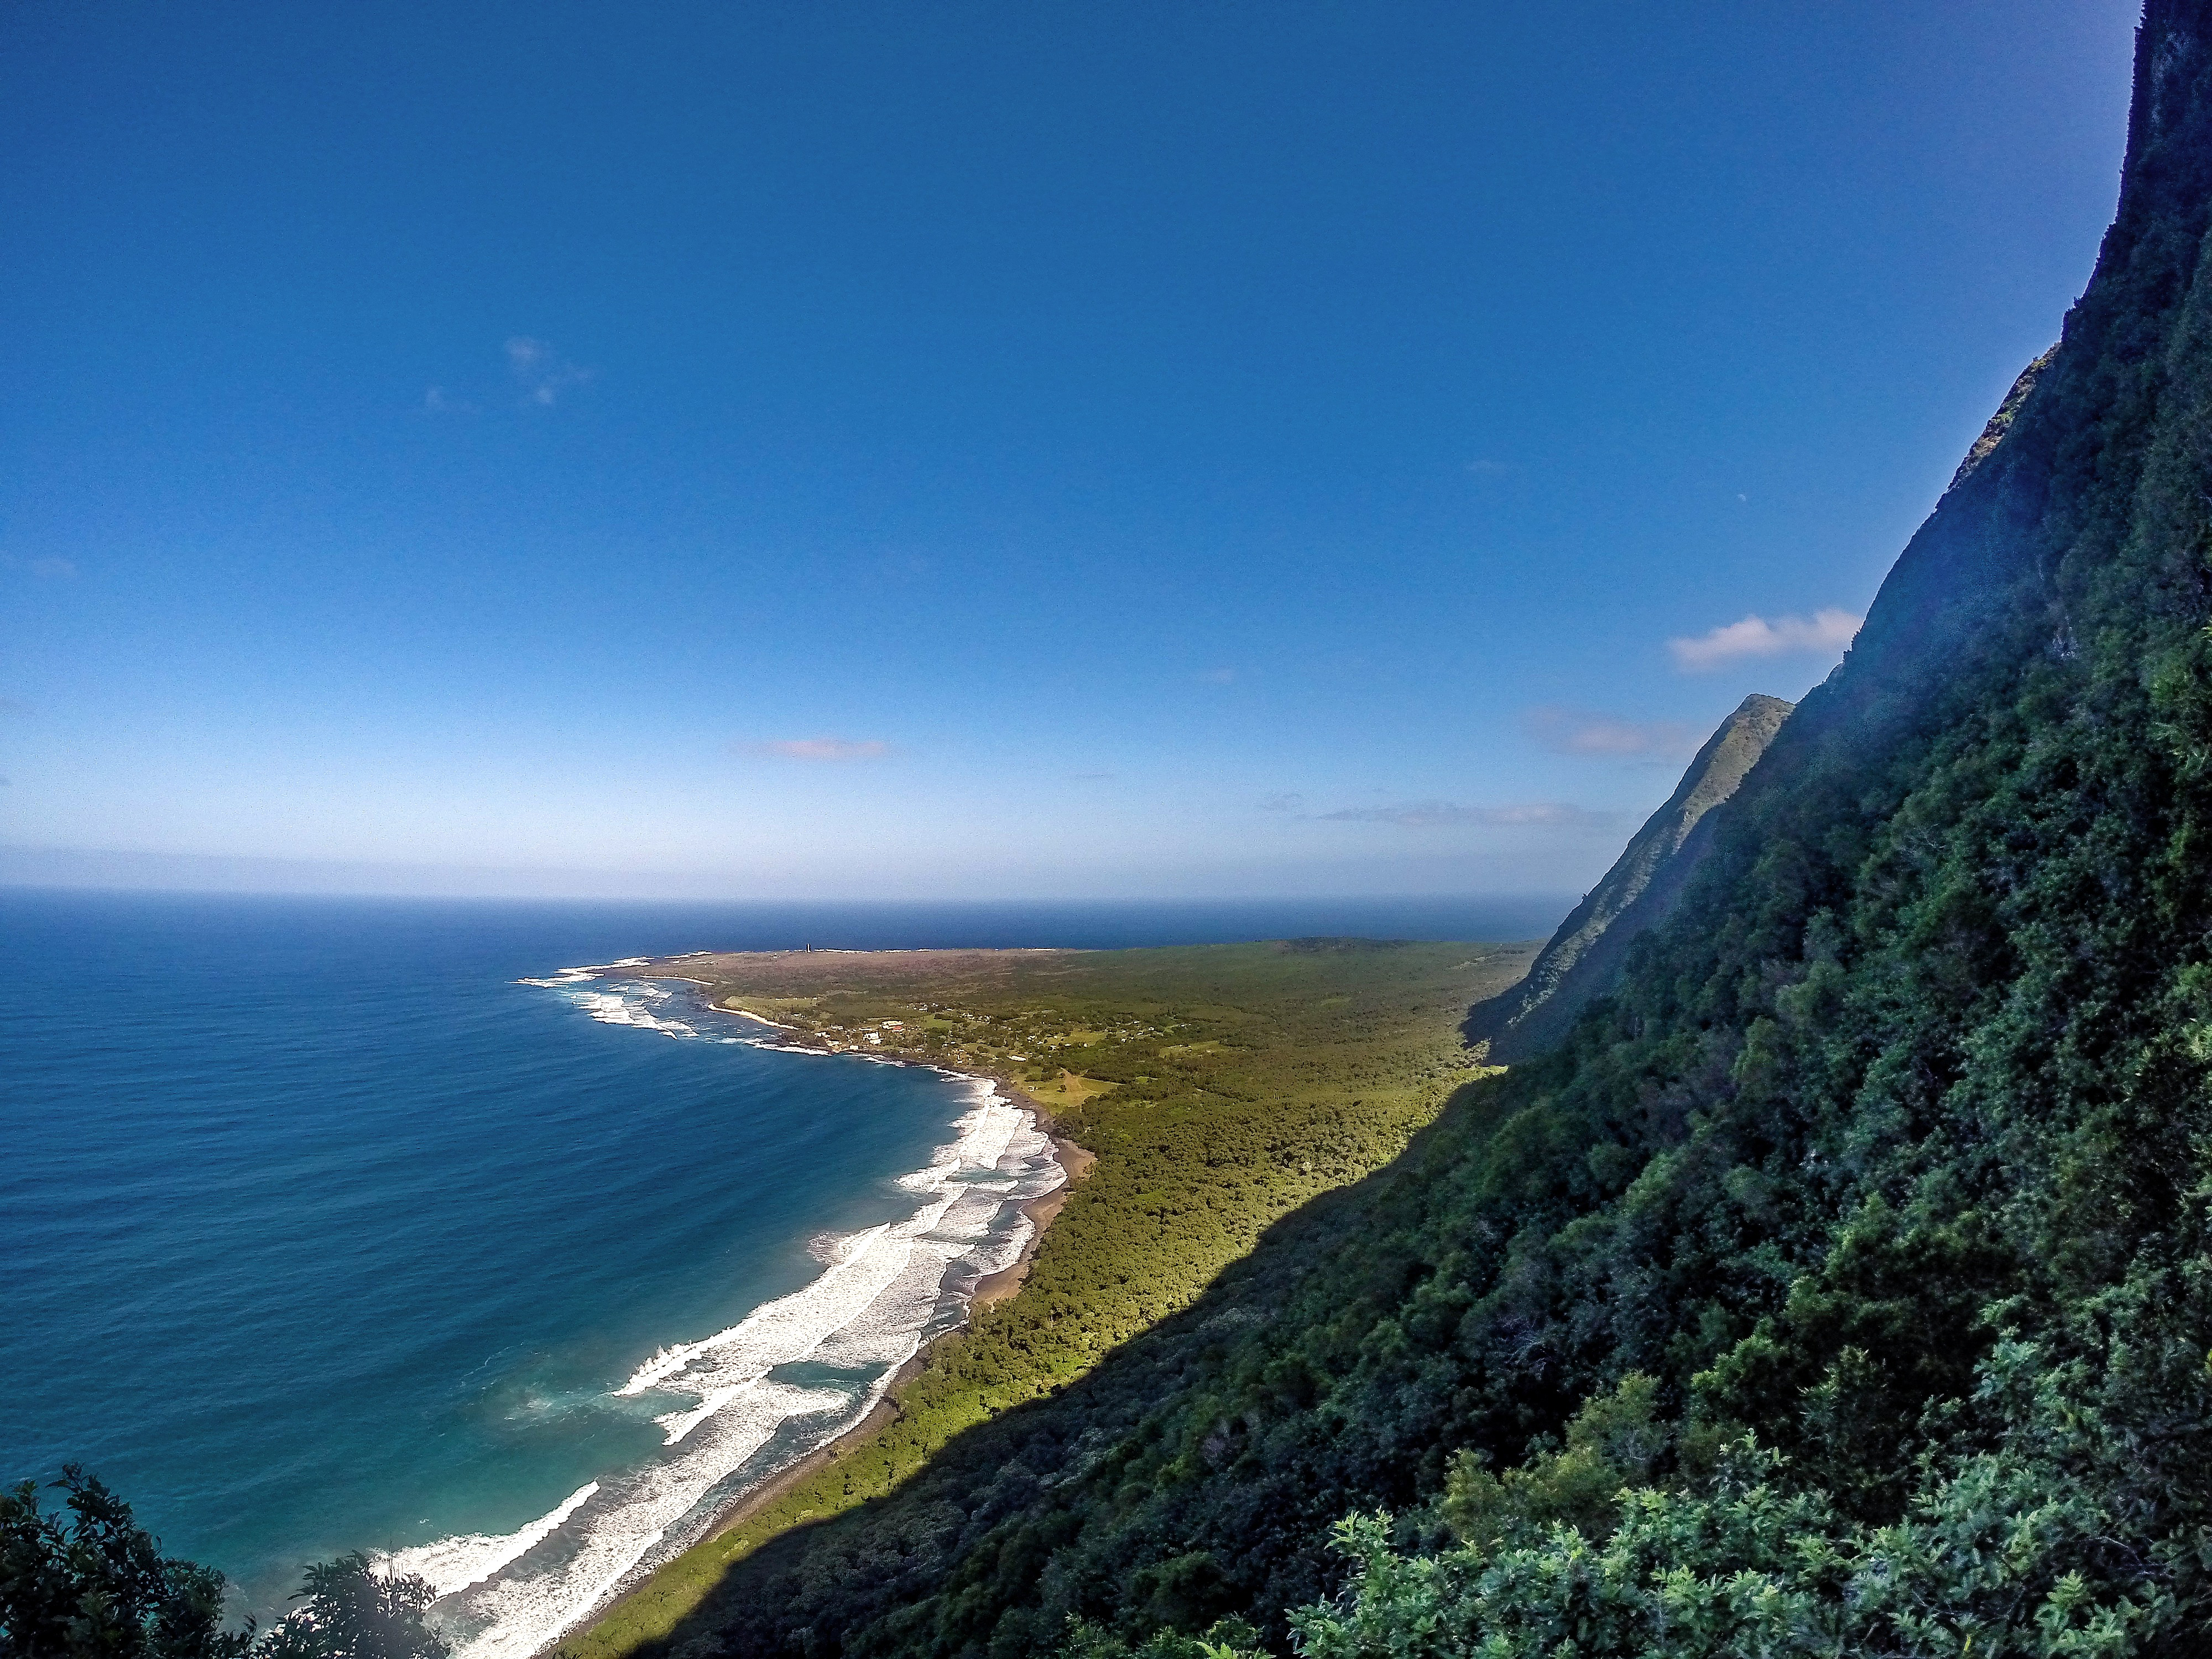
[977,449]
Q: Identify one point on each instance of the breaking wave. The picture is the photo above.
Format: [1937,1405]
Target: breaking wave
[454,1564]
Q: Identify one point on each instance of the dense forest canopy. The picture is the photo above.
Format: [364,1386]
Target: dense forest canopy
[88,1581]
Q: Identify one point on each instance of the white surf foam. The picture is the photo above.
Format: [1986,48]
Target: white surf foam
[513,1613]
[863,1268]
[454,1564]
[757,1020]
[881,1294]
[631,1005]
[786,1330]
[679,1423]
[617,1001]
[567,976]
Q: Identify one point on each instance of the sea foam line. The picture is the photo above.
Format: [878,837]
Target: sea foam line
[881,1294]
[789,1328]
[454,1564]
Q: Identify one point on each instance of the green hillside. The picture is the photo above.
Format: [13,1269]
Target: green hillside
[1841,1285]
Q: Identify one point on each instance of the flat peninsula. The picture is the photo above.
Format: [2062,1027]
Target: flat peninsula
[1197,1094]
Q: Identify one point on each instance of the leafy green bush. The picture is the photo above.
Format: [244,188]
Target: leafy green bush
[97,1586]
[2005,1551]
[95,1583]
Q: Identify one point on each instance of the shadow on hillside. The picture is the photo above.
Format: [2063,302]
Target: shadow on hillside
[1053,1459]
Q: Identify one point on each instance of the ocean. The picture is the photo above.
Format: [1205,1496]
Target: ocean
[334,1225]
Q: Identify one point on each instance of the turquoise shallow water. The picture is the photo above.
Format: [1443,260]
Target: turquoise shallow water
[322,1232]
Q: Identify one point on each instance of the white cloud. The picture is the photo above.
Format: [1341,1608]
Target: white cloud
[1219,676]
[541,372]
[1828,632]
[1431,814]
[819,749]
[1578,732]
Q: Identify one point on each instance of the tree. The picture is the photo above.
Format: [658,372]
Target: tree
[96,1586]
[353,1612]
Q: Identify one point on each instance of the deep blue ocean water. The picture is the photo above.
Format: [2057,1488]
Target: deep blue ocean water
[322,1232]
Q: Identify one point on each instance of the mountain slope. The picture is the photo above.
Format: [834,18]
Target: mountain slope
[2001,423]
[1863,1232]
[1585,955]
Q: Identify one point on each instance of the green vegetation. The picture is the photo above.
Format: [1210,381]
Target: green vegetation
[1842,1283]
[97,1586]
[1065,1096]
[2007,1551]
[1218,1087]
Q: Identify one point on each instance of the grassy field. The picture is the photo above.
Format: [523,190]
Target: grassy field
[1218,1086]
[1067,1093]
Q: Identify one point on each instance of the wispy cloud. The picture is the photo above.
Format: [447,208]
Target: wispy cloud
[1090,777]
[819,749]
[1578,732]
[1828,632]
[542,373]
[439,401]
[1289,801]
[1487,468]
[51,570]
[1432,814]
[1219,676]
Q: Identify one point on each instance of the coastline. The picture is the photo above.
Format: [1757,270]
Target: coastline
[1075,1163]
[991,1288]
[1279,1043]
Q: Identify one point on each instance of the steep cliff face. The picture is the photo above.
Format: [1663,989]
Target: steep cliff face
[1864,1233]
[1640,891]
